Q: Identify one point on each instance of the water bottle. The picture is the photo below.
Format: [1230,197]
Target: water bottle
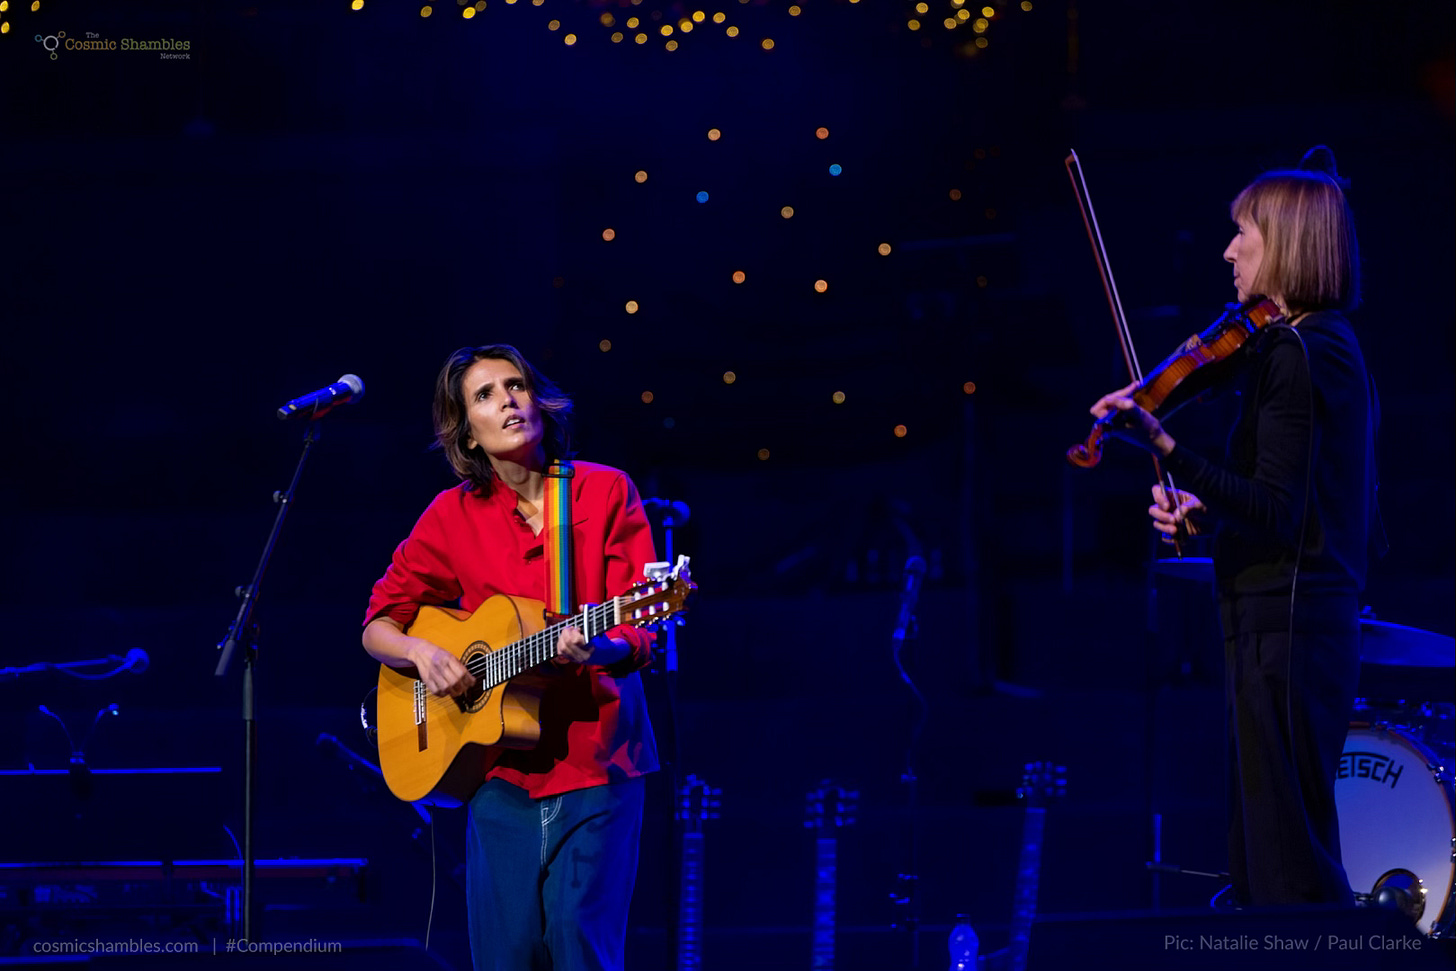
[963,945]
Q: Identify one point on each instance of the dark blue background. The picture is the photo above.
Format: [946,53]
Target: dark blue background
[189,243]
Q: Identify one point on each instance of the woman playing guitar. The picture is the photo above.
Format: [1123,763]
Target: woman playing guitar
[552,838]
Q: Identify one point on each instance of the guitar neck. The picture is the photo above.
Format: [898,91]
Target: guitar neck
[690,912]
[1028,876]
[826,868]
[498,667]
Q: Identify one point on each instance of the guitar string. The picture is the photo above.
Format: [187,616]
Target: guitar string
[533,649]
[495,668]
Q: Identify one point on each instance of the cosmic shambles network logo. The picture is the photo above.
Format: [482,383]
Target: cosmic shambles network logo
[168,48]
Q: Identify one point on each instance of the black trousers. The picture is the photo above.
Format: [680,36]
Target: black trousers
[1288,703]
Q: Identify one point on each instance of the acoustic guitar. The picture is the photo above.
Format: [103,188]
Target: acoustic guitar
[430,747]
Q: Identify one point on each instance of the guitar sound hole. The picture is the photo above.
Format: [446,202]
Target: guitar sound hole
[474,699]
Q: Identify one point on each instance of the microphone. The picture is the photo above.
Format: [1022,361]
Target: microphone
[674,513]
[318,403]
[909,594]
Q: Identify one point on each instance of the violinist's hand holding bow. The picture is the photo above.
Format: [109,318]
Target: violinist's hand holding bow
[1168,520]
[1132,423]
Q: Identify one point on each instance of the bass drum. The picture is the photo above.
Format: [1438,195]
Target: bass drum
[1396,824]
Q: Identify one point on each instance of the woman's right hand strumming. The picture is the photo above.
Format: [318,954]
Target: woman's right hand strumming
[442,672]
[1167,520]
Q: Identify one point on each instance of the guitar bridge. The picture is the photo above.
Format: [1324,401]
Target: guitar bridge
[420,723]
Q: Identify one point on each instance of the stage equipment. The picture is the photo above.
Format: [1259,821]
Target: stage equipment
[318,403]
[1394,800]
[243,635]
[906,896]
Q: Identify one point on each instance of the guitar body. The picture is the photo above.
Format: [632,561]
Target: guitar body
[432,749]
[436,750]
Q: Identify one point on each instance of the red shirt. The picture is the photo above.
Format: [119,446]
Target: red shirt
[594,724]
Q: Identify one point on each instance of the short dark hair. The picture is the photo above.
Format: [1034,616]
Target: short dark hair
[452,427]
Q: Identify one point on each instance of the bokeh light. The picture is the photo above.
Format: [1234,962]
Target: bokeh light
[632,306]
[739,276]
[729,377]
[884,249]
[901,431]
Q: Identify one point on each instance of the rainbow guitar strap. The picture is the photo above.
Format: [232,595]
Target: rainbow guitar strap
[557,546]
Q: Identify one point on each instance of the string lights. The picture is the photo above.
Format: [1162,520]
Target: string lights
[819,285]
[670,22]
[968,26]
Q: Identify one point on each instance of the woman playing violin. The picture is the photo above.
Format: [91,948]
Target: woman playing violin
[1292,502]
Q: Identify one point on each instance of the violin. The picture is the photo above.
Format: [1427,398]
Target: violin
[1197,352]
[1199,364]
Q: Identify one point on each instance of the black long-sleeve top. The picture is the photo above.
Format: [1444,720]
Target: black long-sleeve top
[1299,418]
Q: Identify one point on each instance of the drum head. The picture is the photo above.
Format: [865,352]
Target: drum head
[1395,814]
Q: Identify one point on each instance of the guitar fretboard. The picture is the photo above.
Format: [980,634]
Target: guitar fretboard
[497,667]
[1028,876]
[690,914]
[826,869]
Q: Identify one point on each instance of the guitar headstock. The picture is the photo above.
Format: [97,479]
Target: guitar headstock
[830,807]
[663,594]
[1042,783]
[696,801]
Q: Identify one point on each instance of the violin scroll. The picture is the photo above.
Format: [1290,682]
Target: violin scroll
[1086,455]
[1188,372]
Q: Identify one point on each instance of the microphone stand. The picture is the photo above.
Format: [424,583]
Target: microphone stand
[909,895]
[674,514]
[242,638]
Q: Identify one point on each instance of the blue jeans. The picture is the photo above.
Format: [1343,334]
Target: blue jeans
[549,881]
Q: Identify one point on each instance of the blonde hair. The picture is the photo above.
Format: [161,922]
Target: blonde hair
[1311,258]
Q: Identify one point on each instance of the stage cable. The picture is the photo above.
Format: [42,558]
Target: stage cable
[434,883]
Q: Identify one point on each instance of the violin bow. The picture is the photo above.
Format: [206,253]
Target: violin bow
[1119,319]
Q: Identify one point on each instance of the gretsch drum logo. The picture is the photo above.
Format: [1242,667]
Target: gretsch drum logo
[1370,765]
